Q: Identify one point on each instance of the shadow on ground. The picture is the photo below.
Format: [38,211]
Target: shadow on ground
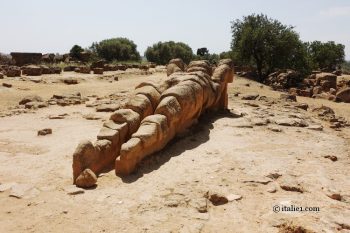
[195,136]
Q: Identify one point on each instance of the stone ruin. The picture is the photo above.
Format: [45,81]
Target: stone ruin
[318,85]
[155,114]
[22,59]
[324,86]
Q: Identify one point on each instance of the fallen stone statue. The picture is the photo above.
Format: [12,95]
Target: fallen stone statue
[155,114]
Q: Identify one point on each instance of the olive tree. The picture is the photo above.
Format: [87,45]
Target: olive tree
[268,45]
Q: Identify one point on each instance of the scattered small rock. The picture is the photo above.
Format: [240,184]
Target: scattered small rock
[234,197]
[70,81]
[8,85]
[260,121]
[86,179]
[331,157]
[254,105]
[303,106]
[250,97]
[235,114]
[274,128]
[56,117]
[20,190]
[73,190]
[315,127]
[335,196]
[295,122]
[30,98]
[44,132]
[107,107]
[291,186]
[271,189]
[288,97]
[36,105]
[258,180]
[91,116]
[274,176]
[217,199]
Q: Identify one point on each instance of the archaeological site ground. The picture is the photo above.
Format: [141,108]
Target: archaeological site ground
[222,164]
[174,140]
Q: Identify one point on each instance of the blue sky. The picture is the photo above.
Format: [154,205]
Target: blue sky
[55,26]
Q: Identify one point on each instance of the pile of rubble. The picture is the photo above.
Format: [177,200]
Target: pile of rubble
[34,102]
[327,114]
[324,86]
[29,70]
[282,80]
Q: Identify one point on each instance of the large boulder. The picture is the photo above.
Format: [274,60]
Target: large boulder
[326,81]
[83,70]
[32,70]
[98,64]
[282,80]
[13,71]
[48,58]
[122,67]
[69,68]
[45,69]
[97,70]
[344,95]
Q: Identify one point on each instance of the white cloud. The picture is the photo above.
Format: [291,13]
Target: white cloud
[336,11]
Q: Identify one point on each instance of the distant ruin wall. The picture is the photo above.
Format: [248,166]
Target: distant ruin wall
[21,59]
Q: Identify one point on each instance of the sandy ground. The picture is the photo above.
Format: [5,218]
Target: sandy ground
[223,153]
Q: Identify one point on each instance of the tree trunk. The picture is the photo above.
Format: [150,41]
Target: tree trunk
[259,67]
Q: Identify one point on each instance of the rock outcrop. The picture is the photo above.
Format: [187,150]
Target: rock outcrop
[152,117]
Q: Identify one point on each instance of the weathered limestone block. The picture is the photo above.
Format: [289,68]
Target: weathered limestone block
[140,104]
[151,93]
[26,58]
[32,70]
[175,66]
[171,108]
[152,136]
[128,116]
[202,65]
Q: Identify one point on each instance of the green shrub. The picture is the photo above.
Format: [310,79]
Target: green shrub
[120,49]
[75,52]
[327,55]
[162,52]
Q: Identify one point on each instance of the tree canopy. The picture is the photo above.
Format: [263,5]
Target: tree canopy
[76,51]
[202,52]
[327,55]
[120,49]
[162,52]
[268,45]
